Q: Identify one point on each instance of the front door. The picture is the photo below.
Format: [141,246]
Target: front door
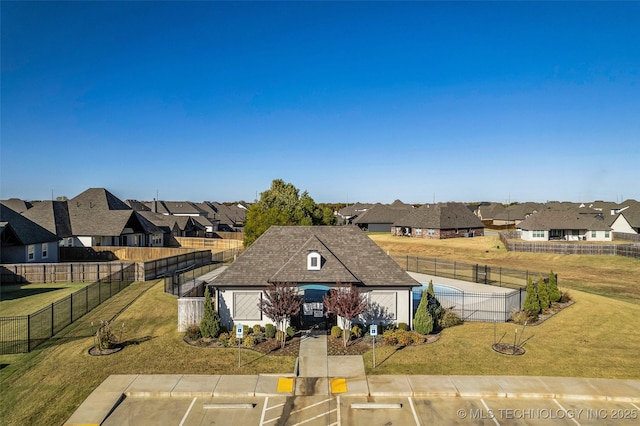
[313,313]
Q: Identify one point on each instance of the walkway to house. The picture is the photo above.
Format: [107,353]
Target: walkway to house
[313,360]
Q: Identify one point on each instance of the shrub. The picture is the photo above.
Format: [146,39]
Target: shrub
[193,332]
[270,331]
[233,340]
[405,338]
[552,288]
[257,328]
[336,332]
[105,339]
[520,317]
[565,297]
[224,337]
[418,338]
[291,331]
[403,326]
[543,295]
[423,322]
[249,341]
[450,319]
[259,337]
[210,323]
[356,331]
[531,303]
[389,337]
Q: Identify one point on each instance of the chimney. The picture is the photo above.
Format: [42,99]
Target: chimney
[154,208]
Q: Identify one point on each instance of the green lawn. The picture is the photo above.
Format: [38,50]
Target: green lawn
[595,337]
[62,371]
[28,298]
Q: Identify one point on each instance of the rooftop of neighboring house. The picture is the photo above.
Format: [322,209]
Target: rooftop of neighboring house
[440,216]
[546,220]
[17,205]
[23,229]
[384,213]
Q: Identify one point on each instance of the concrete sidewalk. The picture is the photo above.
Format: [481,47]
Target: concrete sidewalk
[107,395]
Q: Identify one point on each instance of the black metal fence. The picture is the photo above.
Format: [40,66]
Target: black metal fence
[482,274]
[480,307]
[20,334]
[185,281]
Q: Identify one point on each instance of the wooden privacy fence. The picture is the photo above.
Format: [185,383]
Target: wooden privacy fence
[22,273]
[210,243]
[627,250]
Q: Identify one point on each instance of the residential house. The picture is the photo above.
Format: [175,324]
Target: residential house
[566,225]
[17,205]
[96,217]
[347,214]
[439,221]
[627,221]
[488,211]
[24,241]
[380,217]
[229,218]
[314,259]
[512,215]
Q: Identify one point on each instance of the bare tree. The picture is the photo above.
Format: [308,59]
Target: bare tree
[346,303]
[279,304]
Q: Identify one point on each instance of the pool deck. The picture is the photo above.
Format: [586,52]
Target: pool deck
[466,286]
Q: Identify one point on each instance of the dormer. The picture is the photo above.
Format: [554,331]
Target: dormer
[314,261]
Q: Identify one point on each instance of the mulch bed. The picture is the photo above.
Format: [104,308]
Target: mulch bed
[93,351]
[548,313]
[359,346]
[508,349]
[268,347]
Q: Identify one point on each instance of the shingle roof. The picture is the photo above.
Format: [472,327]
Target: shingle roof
[440,216]
[17,205]
[52,215]
[381,213]
[25,230]
[546,220]
[518,211]
[280,255]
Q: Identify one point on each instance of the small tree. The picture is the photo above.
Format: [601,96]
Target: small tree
[430,289]
[552,288]
[210,323]
[423,321]
[279,304]
[543,295]
[531,302]
[346,303]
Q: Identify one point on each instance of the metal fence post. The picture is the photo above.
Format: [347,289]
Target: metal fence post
[29,333]
[52,321]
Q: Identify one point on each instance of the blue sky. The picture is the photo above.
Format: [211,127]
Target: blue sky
[351,101]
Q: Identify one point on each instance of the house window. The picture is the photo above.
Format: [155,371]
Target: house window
[606,234]
[31,253]
[593,234]
[431,232]
[314,261]
[45,248]
[418,232]
[538,234]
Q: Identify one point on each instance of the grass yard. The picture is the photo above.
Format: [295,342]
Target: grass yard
[611,276]
[595,337]
[24,299]
[62,371]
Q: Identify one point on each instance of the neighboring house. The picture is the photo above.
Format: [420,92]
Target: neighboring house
[488,211]
[314,259]
[96,217]
[380,217]
[176,208]
[516,213]
[628,221]
[347,214]
[17,205]
[230,218]
[566,225]
[24,241]
[439,221]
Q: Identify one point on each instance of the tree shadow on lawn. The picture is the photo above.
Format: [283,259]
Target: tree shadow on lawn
[25,292]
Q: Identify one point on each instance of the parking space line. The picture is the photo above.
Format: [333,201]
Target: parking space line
[565,411]
[264,409]
[413,410]
[489,411]
[274,406]
[311,406]
[637,408]
[184,418]
[327,413]
[338,414]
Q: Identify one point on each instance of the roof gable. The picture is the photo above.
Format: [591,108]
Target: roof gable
[23,229]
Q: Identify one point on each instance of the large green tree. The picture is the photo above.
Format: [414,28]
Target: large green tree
[282,204]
